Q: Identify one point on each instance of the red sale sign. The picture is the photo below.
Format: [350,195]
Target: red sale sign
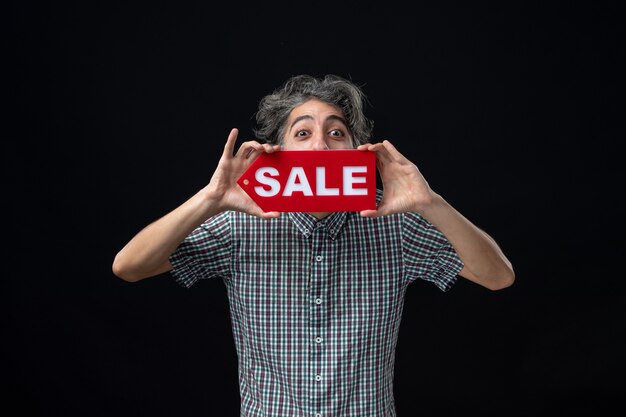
[311,181]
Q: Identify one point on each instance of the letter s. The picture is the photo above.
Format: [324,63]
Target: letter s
[263,175]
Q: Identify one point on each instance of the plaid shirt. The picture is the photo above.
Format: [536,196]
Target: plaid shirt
[316,305]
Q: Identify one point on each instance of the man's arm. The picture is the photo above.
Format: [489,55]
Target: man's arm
[147,253]
[484,262]
[406,190]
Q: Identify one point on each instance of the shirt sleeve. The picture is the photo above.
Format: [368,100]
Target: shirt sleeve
[427,253]
[205,253]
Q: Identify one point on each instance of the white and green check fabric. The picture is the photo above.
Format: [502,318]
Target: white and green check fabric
[316,305]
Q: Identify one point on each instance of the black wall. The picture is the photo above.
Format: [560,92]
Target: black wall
[118,112]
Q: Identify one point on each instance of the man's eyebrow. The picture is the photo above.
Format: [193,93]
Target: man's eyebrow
[297,119]
[306,116]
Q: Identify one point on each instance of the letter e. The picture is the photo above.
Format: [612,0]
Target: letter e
[349,180]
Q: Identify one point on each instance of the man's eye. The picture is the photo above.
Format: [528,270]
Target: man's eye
[301,133]
[336,133]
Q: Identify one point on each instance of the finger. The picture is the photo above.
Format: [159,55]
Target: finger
[271,148]
[250,151]
[248,148]
[255,149]
[369,213]
[229,148]
[267,148]
[393,152]
[270,215]
[381,210]
[264,215]
[382,153]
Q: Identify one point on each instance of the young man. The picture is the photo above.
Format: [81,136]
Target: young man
[315,298]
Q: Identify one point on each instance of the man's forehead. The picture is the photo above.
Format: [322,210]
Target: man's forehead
[315,106]
[314,111]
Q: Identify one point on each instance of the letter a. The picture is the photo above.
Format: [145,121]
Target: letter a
[297,173]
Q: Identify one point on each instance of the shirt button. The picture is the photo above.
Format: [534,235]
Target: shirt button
[318,301]
[318,339]
[318,414]
[318,378]
[318,258]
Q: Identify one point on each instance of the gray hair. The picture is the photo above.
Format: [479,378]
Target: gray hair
[274,108]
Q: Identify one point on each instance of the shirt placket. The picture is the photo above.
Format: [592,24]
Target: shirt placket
[318,302]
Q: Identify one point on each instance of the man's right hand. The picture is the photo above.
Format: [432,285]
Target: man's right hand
[223,191]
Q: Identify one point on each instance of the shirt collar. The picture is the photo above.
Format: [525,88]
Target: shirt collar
[306,223]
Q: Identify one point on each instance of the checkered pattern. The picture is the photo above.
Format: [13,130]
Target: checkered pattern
[316,305]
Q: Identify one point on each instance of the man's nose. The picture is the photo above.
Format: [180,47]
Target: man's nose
[319,143]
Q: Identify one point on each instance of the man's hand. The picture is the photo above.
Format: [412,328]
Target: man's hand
[404,187]
[223,189]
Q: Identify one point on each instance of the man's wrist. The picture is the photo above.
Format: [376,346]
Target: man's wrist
[429,206]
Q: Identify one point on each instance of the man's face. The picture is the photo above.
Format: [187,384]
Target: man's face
[315,125]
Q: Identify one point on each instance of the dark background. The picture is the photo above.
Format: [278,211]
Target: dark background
[118,112]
